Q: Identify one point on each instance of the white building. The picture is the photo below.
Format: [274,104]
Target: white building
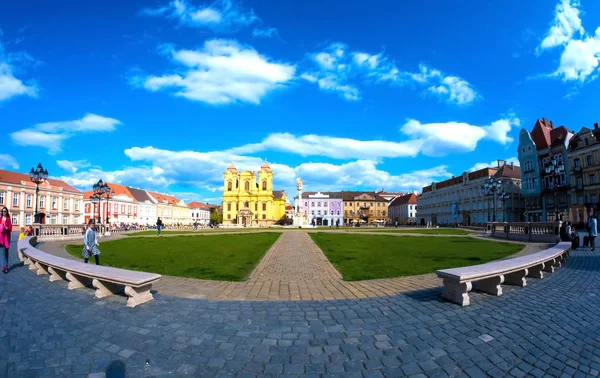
[460,199]
[120,208]
[146,215]
[403,209]
[200,212]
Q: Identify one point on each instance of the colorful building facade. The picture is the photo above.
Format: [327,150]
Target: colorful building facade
[323,209]
[249,198]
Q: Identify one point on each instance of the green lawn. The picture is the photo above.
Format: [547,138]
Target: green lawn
[200,231]
[218,257]
[424,231]
[365,257]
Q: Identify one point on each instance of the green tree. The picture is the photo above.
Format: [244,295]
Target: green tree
[216,217]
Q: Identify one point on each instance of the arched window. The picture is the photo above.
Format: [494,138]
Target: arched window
[246,204]
[264,185]
[229,186]
[237,184]
[247,185]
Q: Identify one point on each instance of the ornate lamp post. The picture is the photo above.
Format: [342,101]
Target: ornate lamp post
[504,197]
[37,176]
[489,188]
[96,199]
[554,169]
[101,189]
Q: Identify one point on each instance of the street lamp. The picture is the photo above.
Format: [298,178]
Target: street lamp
[489,188]
[96,199]
[554,169]
[37,176]
[504,197]
[101,189]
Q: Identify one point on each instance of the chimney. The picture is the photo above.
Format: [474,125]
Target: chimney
[501,163]
[512,165]
[596,125]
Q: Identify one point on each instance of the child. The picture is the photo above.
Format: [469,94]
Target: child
[22,234]
[29,230]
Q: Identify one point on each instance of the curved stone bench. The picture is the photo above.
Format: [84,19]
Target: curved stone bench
[106,280]
[490,276]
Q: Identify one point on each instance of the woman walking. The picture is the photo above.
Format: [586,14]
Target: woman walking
[91,243]
[5,230]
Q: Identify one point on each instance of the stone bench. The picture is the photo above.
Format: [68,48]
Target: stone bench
[490,276]
[106,280]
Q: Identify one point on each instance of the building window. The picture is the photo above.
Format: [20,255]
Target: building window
[264,207]
[338,212]
[318,204]
[305,204]
[324,212]
[42,200]
[66,204]
[264,185]
[14,219]
[28,200]
[319,212]
[256,207]
[77,205]
[577,163]
[15,199]
[312,204]
[590,161]
[247,185]
[54,204]
[587,142]
[264,216]
[237,207]
[122,209]
[65,219]
[77,221]
[228,207]
[592,179]
[53,219]
[593,198]
[1,198]
[28,218]
[246,204]
[116,208]
[229,186]
[228,216]
[312,212]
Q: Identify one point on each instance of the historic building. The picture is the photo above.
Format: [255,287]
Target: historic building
[146,207]
[58,202]
[403,209]
[323,209]
[121,207]
[364,208]
[584,163]
[545,171]
[171,210]
[200,212]
[389,195]
[460,200]
[249,198]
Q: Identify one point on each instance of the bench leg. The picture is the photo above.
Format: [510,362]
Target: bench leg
[32,266]
[516,278]
[490,285]
[56,275]
[138,295]
[457,292]
[536,271]
[76,281]
[558,262]
[549,266]
[41,269]
[21,256]
[104,289]
[27,261]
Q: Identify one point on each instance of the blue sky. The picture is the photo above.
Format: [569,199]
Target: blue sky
[164,95]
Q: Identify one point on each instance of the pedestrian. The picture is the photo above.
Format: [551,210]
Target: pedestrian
[5,230]
[22,234]
[91,243]
[159,225]
[593,231]
[29,230]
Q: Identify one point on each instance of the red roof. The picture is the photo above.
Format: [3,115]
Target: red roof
[545,135]
[408,199]
[118,188]
[162,198]
[23,179]
[200,205]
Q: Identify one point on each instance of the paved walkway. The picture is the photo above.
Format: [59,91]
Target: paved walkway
[549,328]
[294,268]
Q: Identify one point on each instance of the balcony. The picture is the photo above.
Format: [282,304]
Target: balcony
[577,169]
[364,207]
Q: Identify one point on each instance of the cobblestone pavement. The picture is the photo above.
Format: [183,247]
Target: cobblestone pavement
[293,269]
[549,328]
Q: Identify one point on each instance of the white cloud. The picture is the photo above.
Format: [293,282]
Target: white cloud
[565,25]
[223,15]
[336,69]
[7,161]
[50,135]
[493,164]
[580,51]
[223,72]
[264,32]
[338,148]
[72,166]
[11,86]
[439,139]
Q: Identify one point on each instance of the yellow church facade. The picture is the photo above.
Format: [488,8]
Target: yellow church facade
[249,198]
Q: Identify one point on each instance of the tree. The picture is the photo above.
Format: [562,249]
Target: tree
[216,217]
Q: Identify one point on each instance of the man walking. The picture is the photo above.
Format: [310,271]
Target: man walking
[593,231]
[159,225]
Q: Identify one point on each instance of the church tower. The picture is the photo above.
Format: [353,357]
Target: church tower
[265,179]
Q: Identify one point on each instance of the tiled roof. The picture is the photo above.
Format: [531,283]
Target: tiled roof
[23,179]
[334,195]
[545,135]
[139,195]
[119,189]
[510,171]
[162,198]
[279,194]
[404,200]
[200,205]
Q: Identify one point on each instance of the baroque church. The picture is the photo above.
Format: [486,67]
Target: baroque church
[249,198]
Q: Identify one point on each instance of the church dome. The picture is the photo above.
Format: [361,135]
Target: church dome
[231,167]
[265,167]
